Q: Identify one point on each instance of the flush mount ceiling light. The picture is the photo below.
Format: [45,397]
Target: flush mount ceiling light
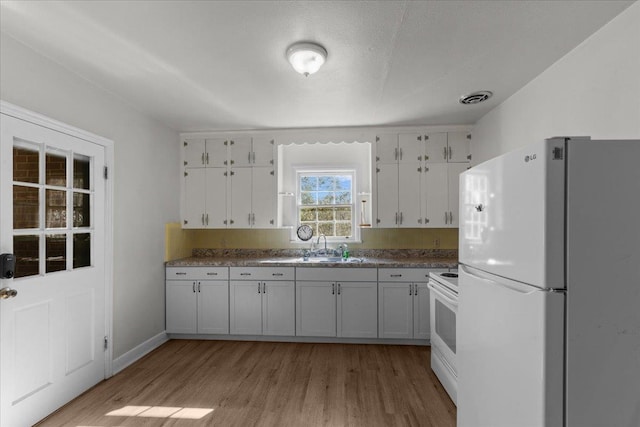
[306,58]
[475,97]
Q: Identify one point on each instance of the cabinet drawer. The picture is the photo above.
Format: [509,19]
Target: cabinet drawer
[337,274]
[197,273]
[262,273]
[406,274]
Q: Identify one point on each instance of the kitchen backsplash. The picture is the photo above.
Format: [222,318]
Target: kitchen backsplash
[180,243]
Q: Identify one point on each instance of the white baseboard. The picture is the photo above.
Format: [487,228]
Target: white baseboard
[138,352]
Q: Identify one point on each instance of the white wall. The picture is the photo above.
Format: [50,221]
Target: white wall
[145,179]
[592,91]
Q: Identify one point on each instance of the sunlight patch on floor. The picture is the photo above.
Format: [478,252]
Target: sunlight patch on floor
[161,412]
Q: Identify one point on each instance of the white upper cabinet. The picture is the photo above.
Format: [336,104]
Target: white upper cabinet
[246,151]
[410,148]
[436,149]
[205,153]
[409,212]
[252,198]
[451,147]
[440,184]
[205,193]
[387,148]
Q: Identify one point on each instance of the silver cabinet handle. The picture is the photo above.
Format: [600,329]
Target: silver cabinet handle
[396,218]
[445,153]
[212,274]
[333,289]
[259,284]
[277,274]
[181,273]
[450,217]
[410,286]
[249,160]
[253,156]
[450,152]
[202,219]
[249,218]
[199,284]
[396,275]
[193,287]
[400,218]
[253,219]
[446,218]
[415,290]
[207,157]
[338,288]
[206,219]
[396,153]
[202,159]
[245,274]
[6,293]
[400,154]
[264,287]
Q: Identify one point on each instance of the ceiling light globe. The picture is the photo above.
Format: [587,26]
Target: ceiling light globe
[306,58]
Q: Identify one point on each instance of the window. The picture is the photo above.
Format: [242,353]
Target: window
[326,202]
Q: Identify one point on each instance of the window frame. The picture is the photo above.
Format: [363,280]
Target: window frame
[330,171]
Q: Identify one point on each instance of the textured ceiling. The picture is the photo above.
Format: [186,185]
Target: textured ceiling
[198,65]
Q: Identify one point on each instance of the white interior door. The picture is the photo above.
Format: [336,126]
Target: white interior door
[52,218]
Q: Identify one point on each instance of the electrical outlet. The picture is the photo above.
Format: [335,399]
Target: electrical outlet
[436,243]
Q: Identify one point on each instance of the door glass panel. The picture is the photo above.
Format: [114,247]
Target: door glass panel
[56,252]
[26,250]
[81,172]
[81,250]
[26,165]
[26,211]
[81,210]
[56,170]
[446,325]
[56,214]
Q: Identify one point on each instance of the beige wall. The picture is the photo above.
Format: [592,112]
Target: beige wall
[179,243]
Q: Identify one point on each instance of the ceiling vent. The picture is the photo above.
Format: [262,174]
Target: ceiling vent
[475,97]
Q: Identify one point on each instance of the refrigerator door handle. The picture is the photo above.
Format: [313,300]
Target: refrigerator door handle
[504,283]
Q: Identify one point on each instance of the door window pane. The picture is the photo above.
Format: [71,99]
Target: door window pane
[56,170]
[81,250]
[26,207]
[26,250]
[81,210]
[56,252]
[81,172]
[56,214]
[26,165]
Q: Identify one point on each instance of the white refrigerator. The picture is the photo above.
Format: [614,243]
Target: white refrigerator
[549,305]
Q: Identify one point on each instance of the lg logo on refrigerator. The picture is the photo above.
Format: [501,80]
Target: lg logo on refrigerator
[529,157]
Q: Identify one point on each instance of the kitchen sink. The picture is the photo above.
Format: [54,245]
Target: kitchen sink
[314,260]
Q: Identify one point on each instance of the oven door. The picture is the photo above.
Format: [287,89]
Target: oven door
[444,309]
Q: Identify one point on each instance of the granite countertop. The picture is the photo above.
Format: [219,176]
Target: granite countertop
[293,258]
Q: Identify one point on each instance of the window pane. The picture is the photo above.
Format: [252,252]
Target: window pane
[325,198]
[325,183]
[81,250]
[343,229]
[343,198]
[26,165]
[343,214]
[27,252]
[26,207]
[325,214]
[56,252]
[308,183]
[55,170]
[56,214]
[343,183]
[81,172]
[309,198]
[326,228]
[308,214]
[81,210]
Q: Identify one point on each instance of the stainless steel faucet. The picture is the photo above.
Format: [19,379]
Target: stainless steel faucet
[325,242]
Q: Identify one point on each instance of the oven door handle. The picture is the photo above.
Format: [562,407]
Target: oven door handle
[441,292]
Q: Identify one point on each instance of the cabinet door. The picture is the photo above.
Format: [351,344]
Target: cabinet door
[410,148]
[216,198]
[216,153]
[245,307]
[454,171]
[436,195]
[263,151]
[436,147]
[240,152]
[240,198]
[263,194]
[387,148]
[181,314]
[357,309]
[194,198]
[213,307]
[315,309]
[194,153]
[395,310]
[459,147]
[387,176]
[409,176]
[421,311]
[278,308]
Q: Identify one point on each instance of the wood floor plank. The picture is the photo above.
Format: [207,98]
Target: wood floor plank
[268,384]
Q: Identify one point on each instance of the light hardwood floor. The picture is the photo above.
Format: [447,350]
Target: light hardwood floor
[269,384]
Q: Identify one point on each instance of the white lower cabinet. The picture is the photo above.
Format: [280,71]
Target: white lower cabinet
[403,303]
[336,302]
[262,301]
[197,300]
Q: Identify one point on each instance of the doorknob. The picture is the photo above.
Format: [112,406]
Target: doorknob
[6,293]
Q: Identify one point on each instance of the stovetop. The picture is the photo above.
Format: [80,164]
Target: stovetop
[449,279]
